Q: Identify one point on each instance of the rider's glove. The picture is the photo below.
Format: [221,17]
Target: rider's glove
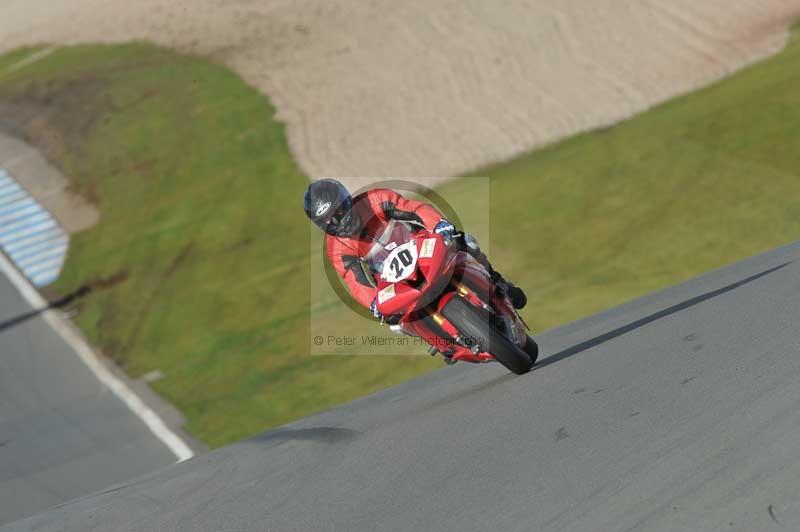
[445,229]
[373,307]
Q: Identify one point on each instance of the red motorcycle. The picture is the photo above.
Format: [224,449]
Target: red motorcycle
[432,288]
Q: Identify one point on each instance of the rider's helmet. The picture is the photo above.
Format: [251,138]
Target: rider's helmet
[329,205]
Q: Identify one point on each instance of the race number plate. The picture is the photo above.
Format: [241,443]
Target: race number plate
[400,263]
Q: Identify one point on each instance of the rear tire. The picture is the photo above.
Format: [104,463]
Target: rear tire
[531,349]
[474,323]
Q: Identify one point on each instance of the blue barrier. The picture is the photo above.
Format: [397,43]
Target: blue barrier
[29,235]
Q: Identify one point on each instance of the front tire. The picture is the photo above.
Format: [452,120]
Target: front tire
[475,323]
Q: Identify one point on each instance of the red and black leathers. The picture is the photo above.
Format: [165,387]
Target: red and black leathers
[375,209]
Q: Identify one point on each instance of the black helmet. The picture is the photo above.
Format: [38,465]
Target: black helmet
[328,204]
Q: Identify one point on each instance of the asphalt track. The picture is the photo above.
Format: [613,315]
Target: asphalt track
[62,433]
[678,411]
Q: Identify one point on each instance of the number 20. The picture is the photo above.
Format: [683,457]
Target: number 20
[406,258]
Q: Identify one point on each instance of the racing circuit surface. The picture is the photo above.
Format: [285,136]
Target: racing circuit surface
[63,434]
[678,411]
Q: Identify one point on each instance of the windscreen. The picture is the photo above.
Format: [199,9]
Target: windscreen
[396,235]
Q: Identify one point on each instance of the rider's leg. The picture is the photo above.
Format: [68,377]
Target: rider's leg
[515,293]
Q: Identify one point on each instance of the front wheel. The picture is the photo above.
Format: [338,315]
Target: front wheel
[475,324]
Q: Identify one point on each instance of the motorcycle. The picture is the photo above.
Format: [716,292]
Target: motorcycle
[433,288]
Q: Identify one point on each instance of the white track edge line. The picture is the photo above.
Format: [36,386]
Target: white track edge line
[85,353]
[36,56]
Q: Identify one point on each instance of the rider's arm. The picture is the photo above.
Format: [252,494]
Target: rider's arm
[347,265]
[391,205]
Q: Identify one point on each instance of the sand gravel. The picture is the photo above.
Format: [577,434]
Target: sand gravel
[434,87]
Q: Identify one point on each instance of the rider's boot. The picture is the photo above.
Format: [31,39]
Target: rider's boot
[515,294]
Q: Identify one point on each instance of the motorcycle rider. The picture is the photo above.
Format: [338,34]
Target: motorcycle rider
[352,225]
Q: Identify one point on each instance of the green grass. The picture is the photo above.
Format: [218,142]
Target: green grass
[693,185]
[200,204]
[9,59]
[201,208]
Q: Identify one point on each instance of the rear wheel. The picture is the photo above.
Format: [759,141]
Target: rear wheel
[531,349]
[475,324]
